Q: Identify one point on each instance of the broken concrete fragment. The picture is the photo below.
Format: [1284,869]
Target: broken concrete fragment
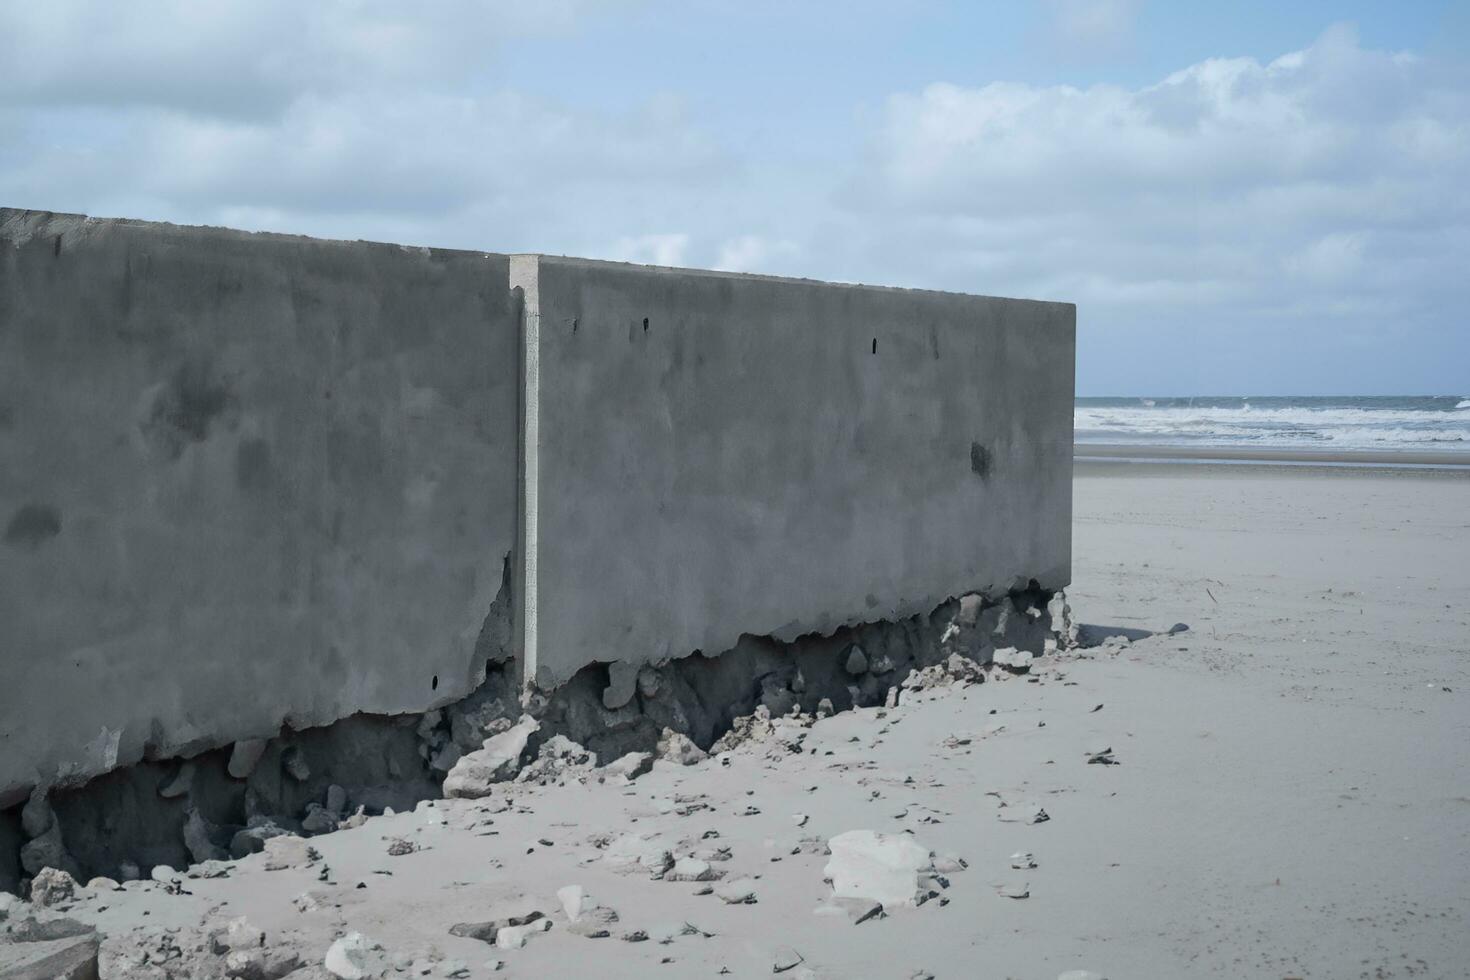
[199,835]
[677,747]
[514,937]
[318,819]
[622,683]
[785,959]
[52,886]
[245,755]
[630,766]
[293,761]
[691,869]
[261,964]
[1014,660]
[948,864]
[573,899]
[741,891]
[34,930]
[240,933]
[1023,861]
[634,852]
[288,851]
[473,776]
[358,818]
[444,758]
[179,784]
[350,957]
[856,662]
[882,867]
[37,817]
[251,840]
[969,611]
[648,681]
[46,851]
[69,958]
[481,931]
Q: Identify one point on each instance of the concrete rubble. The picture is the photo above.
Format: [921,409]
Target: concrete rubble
[688,716]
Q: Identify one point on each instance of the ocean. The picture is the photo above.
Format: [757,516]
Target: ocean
[1421,424]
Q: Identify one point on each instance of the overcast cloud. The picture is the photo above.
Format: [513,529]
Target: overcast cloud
[1293,223]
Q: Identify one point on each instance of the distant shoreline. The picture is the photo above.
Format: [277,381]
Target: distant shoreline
[1103,452]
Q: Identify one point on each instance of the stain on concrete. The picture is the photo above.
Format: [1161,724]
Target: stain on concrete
[32,526]
[185,408]
[980,460]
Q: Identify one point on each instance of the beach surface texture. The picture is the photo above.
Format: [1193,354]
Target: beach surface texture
[1280,790]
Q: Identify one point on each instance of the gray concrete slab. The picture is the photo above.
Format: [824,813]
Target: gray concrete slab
[708,455]
[244,480]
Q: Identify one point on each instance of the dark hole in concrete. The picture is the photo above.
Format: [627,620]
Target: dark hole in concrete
[979,460]
[32,525]
[574,324]
[645,324]
[434,684]
[875,345]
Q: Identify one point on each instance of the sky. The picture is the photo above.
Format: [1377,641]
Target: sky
[1241,198]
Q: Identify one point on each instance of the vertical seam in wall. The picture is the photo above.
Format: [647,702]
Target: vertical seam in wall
[533,411]
[530,409]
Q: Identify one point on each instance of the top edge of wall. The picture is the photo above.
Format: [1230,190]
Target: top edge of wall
[19,225]
[669,270]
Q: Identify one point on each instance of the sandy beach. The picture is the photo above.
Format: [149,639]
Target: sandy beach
[1291,796]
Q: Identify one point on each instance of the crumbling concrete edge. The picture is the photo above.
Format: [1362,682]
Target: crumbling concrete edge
[226,802]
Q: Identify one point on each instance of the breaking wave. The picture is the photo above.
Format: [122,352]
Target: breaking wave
[1363,423]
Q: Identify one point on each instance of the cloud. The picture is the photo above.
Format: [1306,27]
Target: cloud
[1232,207]
[754,253]
[665,249]
[252,57]
[1327,183]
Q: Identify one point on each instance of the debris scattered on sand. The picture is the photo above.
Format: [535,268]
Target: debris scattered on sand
[890,869]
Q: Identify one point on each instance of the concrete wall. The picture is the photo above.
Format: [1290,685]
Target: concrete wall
[243,479]
[248,480]
[708,455]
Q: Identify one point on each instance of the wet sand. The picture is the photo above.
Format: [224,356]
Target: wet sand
[1326,457]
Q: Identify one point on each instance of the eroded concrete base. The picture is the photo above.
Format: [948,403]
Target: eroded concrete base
[227,802]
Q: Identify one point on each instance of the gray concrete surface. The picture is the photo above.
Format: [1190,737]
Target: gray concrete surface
[252,480]
[244,480]
[707,455]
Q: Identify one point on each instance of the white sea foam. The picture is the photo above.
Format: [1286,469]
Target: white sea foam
[1326,426]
